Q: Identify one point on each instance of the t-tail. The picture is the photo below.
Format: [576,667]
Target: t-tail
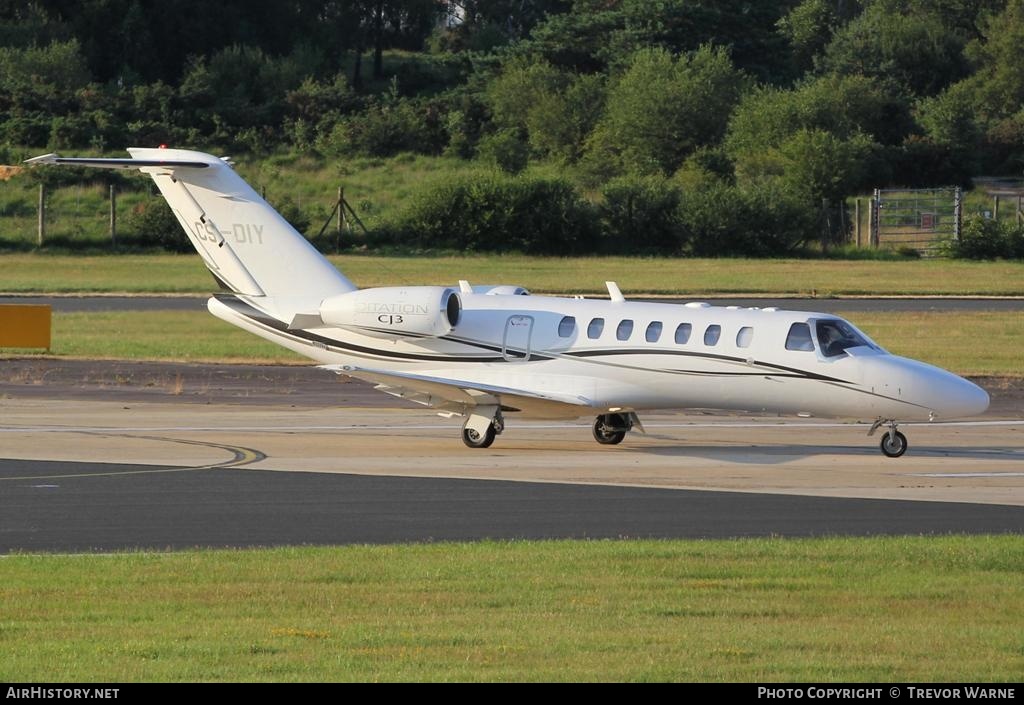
[247,246]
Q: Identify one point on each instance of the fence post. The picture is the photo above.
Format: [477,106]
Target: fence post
[957,212]
[995,207]
[856,220]
[41,225]
[341,209]
[113,215]
[873,234]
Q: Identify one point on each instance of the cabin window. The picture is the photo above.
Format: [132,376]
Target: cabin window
[653,332]
[799,338]
[567,326]
[835,336]
[712,334]
[683,331]
[595,328]
[624,330]
[744,337]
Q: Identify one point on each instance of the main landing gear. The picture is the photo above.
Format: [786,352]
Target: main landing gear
[482,427]
[894,443]
[610,429]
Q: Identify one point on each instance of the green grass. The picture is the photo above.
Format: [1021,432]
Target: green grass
[164,335]
[881,609]
[949,340]
[33,273]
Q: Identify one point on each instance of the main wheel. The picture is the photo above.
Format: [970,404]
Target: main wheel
[894,448]
[475,440]
[608,429]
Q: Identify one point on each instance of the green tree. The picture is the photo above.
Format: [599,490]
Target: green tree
[852,111]
[979,121]
[555,109]
[808,27]
[817,165]
[598,34]
[663,108]
[912,47]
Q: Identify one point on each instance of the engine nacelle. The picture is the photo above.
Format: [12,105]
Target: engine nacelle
[430,311]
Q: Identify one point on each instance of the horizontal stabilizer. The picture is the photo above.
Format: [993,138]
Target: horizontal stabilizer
[115,163]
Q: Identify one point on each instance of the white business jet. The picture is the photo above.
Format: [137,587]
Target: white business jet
[481,352]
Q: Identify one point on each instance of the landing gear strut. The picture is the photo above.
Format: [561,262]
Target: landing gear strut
[894,443]
[482,427]
[610,429]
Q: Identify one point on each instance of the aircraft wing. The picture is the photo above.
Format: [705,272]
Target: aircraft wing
[460,396]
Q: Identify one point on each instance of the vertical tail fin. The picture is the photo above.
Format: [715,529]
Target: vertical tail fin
[244,242]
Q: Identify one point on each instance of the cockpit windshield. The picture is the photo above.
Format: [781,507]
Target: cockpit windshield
[836,335]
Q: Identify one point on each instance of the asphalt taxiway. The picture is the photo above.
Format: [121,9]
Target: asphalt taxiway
[73,507]
[127,465]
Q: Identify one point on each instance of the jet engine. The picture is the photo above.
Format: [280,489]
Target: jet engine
[417,311]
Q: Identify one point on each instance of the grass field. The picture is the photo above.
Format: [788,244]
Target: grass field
[949,340]
[34,273]
[882,609]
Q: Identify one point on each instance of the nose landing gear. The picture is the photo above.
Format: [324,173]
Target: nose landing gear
[894,443]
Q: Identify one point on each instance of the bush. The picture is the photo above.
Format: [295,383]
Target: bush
[499,213]
[505,149]
[758,221]
[640,214]
[984,238]
[153,223]
[386,128]
[293,213]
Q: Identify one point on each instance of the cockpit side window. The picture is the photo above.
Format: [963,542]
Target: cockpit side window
[836,335]
[799,338]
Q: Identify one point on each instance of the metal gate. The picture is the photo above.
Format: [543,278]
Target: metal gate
[917,219]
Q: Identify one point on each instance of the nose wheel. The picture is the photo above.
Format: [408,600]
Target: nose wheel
[894,443]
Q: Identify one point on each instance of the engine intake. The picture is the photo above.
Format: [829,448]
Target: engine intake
[417,311]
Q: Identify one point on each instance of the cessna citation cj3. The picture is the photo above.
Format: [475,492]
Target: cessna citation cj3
[481,352]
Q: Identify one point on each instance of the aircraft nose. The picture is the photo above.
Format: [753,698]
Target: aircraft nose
[943,394]
[963,398]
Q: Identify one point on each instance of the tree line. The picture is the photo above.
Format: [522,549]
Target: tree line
[685,124]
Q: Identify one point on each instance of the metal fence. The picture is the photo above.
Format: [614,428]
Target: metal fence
[916,219]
